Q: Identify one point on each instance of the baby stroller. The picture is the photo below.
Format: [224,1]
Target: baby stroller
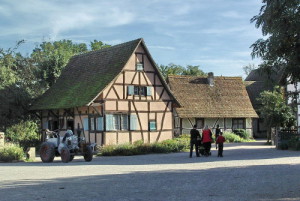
[201,148]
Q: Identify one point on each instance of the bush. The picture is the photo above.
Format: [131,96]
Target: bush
[138,147]
[294,143]
[231,137]
[23,131]
[242,133]
[283,146]
[11,153]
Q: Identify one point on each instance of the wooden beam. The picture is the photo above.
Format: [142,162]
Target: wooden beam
[162,122]
[139,119]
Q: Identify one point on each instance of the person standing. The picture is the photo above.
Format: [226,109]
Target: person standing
[206,140]
[195,137]
[218,130]
[220,142]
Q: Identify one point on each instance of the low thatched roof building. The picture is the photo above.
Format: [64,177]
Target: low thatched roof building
[211,101]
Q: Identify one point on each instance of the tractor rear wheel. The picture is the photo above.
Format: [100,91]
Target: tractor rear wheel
[47,152]
[88,155]
[65,155]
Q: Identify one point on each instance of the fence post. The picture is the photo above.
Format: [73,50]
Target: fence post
[1,139]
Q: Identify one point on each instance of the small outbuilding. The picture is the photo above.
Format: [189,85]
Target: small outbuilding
[211,100]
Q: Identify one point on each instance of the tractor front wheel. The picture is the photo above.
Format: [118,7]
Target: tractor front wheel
[65,155]
[88,155]
[71,157]
[47,152]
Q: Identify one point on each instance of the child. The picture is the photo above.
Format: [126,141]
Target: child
[220,141]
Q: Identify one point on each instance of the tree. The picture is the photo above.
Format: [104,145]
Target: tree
[173,69]
[17,86]
[248,68]
[193,70]
[98,45]
[52,57]
[275,111]
[279,20]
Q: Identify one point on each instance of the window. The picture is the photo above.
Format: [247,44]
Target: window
[238,123]
[92,119]
[61,123]
[139,61]
[200,123]
[152,125]
[139,66]
[53,124]
[139,90]
[116,122]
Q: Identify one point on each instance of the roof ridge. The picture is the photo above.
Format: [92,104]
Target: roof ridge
[106,49]
[195,76]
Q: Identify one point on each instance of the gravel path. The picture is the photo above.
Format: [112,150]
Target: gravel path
[248,171]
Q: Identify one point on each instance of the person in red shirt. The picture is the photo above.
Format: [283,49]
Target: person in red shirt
[206,140]
[220,142]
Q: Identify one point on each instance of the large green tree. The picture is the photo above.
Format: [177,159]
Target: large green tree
[52,57]
[17,86]
[22,79]
[279,21]
[275,111]
[173,69]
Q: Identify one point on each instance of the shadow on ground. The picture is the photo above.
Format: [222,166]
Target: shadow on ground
[280,182]
[232,152]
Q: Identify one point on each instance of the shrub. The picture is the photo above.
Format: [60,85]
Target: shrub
[283,146]
[138,147]
[294,143]
[24,133]
[242,133]
[11,153]
[231,137]
[25,130]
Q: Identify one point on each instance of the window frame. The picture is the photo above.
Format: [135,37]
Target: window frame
[120,122]
[237,124]
[152,121]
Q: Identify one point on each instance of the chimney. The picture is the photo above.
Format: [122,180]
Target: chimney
[210,79]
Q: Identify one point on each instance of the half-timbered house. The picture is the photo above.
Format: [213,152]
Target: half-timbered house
[115,95]
[211,101]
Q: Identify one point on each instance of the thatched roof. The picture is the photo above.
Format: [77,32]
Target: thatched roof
[258,81]
[227,98]
[87,75]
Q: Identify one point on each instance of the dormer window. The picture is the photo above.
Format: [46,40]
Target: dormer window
[139,61]
[139,66]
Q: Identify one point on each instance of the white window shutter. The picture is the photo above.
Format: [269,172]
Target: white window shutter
[86,124]
[149,91]
[133,122]
[130,90]
[109,122]
[100,123]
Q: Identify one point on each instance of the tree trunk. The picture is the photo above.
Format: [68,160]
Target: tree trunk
[269,130]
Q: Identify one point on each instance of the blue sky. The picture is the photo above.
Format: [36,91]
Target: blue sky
[215,34]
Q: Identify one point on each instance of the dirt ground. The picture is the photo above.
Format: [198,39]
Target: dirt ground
[248,171]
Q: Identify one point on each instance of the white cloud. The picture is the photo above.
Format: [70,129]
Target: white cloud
[231,14]
[161,47]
